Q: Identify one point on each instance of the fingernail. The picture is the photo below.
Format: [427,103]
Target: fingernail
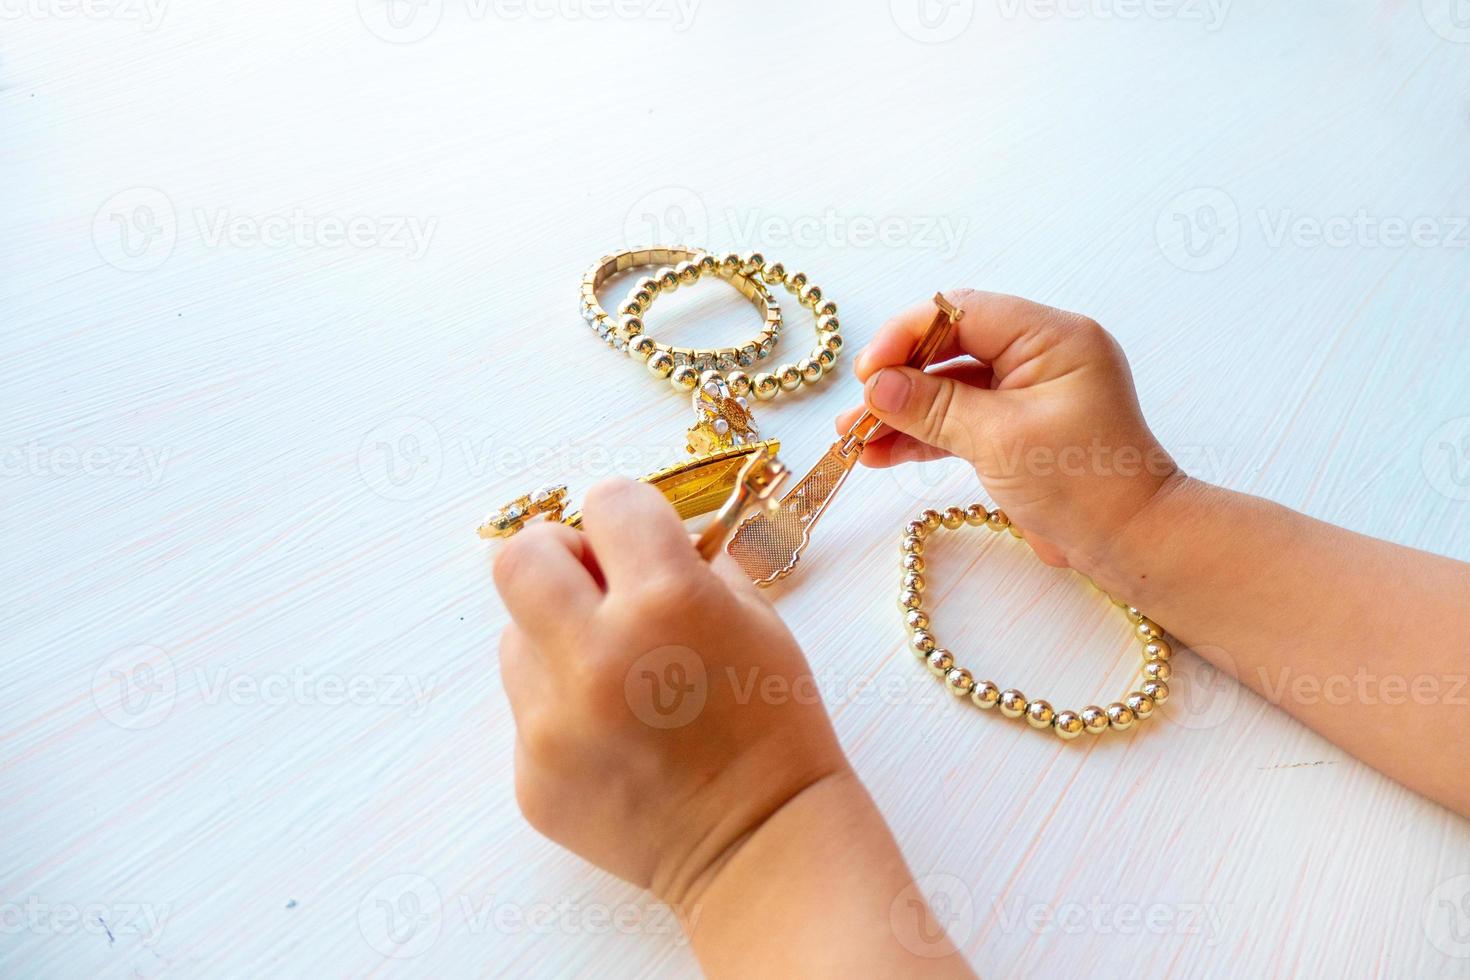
[888,390]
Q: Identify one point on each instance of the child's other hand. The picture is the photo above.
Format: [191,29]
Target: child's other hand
[663,711]
[1038,400]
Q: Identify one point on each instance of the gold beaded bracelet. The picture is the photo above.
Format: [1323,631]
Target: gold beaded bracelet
[1119,716]
[678,266]
[683,366]
[788,377]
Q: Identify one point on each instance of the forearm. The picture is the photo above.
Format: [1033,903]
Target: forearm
[812,893]
[1365,641]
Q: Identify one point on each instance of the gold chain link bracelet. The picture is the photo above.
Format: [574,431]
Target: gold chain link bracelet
[1118,716]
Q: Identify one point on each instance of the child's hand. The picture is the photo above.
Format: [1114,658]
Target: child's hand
[1043,406]
[663,711]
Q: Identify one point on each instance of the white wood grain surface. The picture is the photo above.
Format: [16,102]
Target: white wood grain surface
[252,717]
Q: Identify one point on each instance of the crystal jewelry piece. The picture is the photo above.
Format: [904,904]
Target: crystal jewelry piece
[722,419]
[769,544]
[1118,716]
[550,501]
[694,486]
[759,479]
[723,441]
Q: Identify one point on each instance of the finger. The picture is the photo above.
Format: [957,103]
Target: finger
[935,409]
[521,674]
[1004,331]
[974,374]
[727,570]
[634,532]
[897,448]
[544,580]
[947,409]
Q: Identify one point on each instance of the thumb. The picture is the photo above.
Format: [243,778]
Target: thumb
[932,408]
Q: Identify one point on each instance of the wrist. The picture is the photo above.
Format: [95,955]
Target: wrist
[780,820]
[1121,564]
[827,849]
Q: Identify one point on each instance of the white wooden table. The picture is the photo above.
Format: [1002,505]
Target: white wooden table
[289,301]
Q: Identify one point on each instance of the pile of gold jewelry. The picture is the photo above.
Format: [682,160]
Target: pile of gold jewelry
[732,471]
